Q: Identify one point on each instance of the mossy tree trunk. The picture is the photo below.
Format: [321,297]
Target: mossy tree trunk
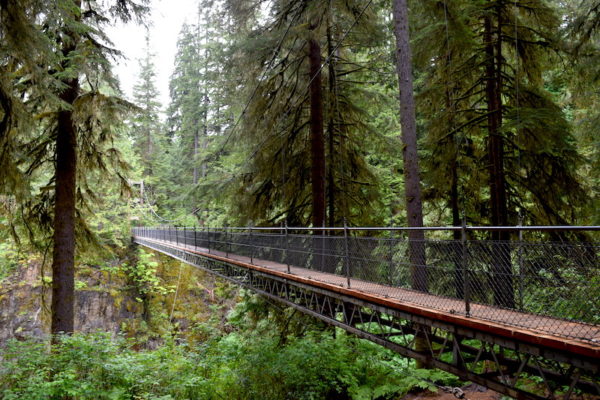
[63,260]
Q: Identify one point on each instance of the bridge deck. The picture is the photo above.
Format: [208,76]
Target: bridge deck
[414,302]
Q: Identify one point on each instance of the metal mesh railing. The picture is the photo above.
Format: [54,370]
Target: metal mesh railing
[552,287]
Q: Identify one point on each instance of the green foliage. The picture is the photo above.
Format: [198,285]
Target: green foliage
[143,275]
[240,365]
[98,367]
[9,259]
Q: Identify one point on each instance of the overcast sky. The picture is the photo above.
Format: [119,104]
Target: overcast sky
[166,18]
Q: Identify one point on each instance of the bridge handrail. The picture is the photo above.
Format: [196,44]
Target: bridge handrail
[588,228]
[554,279]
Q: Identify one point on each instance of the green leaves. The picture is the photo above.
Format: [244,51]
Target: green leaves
[98,367]
[143,276]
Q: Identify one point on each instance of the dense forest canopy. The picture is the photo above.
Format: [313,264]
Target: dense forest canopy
[234,145]
[288,112]
[505,90]
[295,113]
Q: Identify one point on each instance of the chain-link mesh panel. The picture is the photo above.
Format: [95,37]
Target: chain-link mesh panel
[534,285]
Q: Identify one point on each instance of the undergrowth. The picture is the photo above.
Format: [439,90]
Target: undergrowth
[232,366]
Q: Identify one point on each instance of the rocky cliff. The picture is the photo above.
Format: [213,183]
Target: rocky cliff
[107,301]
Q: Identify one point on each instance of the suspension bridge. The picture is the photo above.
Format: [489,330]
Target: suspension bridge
[520,317]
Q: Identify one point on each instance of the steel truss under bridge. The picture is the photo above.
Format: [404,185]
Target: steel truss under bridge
[502,348]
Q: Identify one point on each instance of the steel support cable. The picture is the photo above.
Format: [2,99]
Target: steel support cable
[176,292]
[165,219]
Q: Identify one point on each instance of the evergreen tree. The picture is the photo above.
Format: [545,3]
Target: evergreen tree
[146,124]
[489,104]
[580,86]
[75,120]
[276,125]
[507,47]
[412,180]
[199,108]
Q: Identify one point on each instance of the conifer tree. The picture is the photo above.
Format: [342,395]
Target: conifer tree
[199,107]
[412,181]
[146,124]
[75,120]
[279,177]
[485,91]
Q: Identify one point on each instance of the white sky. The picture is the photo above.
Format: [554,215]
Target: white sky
[166,20]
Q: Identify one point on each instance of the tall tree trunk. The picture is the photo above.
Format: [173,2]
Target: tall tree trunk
[205,139]
[63,254]
[330,260]
[454,195]
[501,280]
[412,183]
[331,131]
[195,158]
[456,235]
[317,143]
[316,135]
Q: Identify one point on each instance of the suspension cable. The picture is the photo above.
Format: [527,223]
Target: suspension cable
[161,218]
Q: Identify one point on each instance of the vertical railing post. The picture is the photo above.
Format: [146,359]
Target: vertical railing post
[391,268]
[520,262]
[208,237]
[251,247]
[465,269]
[322,248]
[347,254]
[226,241]
[286,248]
[230,241]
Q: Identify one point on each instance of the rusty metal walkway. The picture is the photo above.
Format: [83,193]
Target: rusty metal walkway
[497,347]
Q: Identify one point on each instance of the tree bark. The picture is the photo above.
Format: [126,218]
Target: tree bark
[63,254]
[195,156]
[330,260]
[316,135]
[331,131]
[501,280]
[412,182]
[317,143]
[203,167]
